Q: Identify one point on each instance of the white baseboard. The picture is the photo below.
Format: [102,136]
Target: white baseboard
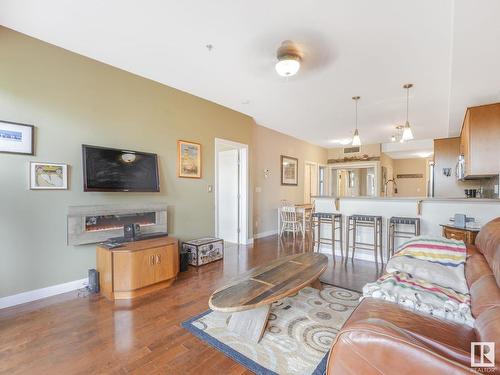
[37,294]
[266,234]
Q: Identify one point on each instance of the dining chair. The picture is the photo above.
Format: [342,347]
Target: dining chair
[290,221]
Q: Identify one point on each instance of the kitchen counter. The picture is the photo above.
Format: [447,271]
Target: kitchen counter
[423,199]
[431,211]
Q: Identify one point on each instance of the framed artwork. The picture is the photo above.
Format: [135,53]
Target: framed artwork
[16,138]
[48,176]
[188,159]
[289,170]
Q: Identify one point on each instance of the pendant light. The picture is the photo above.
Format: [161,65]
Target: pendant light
[407,133]
[356,141]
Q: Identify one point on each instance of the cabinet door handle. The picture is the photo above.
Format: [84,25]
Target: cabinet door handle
[151,259]
[158,258]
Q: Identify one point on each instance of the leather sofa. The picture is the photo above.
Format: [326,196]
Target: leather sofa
[384,338]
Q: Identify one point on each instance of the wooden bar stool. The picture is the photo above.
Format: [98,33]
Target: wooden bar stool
[334,220]
[365,221]
[393,231]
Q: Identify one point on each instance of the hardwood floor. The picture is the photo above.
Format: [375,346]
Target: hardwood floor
[76,333]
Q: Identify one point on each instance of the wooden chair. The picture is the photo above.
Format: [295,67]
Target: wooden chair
[290,221]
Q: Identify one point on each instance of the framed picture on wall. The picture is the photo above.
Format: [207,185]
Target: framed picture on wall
[48,176]
[16,138]
[188,159]
[289,170]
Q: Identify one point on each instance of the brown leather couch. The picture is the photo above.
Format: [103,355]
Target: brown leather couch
[385,338]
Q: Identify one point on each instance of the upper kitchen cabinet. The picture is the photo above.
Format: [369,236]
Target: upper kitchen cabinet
[480,141]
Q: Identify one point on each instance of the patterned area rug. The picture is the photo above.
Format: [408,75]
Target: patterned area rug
[300,331]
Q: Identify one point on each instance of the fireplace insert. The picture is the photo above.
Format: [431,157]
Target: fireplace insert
[107,222]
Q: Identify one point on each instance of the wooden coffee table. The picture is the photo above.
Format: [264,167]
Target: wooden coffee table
[249,297]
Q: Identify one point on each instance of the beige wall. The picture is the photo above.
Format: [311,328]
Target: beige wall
[74,100]
[268,146]
[411,187]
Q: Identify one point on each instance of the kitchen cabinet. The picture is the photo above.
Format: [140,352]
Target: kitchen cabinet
[446,151]
[480,141]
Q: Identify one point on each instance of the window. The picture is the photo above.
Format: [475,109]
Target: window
[321,180]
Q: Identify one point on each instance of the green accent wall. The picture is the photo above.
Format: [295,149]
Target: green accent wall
[74,100]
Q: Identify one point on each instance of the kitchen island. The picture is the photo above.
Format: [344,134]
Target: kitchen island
[432,213]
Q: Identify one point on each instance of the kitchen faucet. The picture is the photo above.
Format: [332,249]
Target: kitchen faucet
[394,186]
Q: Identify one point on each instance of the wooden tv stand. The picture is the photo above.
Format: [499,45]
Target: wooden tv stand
[137,267]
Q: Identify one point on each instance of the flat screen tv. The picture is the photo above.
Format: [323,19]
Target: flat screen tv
[110,169]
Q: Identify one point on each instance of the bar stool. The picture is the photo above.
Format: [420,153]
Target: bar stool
[394,232]
[335,221]
[366,221]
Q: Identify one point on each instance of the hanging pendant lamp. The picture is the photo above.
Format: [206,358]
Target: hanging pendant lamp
[407,133]
[356,140]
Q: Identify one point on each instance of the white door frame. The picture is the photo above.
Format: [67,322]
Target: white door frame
[244,182]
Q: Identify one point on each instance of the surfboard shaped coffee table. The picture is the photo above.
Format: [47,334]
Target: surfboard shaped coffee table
[250,295]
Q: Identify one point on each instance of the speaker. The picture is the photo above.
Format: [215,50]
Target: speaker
[93,281]
[183,264]
[131,231]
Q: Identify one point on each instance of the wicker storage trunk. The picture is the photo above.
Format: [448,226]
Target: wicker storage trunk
[204,250]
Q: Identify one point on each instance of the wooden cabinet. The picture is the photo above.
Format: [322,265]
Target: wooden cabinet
[138,267]
[460,234]
[480,139]
[446,151]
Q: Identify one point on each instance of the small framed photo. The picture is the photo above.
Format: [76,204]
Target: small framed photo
[289,170]
[16,138]
[48,176]
[188,159]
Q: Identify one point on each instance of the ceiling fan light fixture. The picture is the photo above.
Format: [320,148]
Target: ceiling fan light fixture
[289,59]
[287,66]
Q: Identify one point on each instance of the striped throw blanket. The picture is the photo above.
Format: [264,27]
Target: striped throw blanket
[422,296]
[437,260]
[427,274]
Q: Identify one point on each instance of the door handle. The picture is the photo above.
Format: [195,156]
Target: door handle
[158,259]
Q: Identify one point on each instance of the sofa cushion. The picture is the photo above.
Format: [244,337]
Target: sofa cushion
[448,339]
[476,267]
[487,327]
[484,294]
[380,348]
[488,243]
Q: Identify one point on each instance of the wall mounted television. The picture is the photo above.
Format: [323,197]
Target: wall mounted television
[111,169]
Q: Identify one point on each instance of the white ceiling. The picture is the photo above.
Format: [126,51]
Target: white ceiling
[448,49]
[422,148]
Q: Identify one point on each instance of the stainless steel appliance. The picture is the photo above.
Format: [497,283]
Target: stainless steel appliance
[460,169]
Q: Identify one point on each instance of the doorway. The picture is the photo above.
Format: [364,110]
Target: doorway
[310,180]
[231,191]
